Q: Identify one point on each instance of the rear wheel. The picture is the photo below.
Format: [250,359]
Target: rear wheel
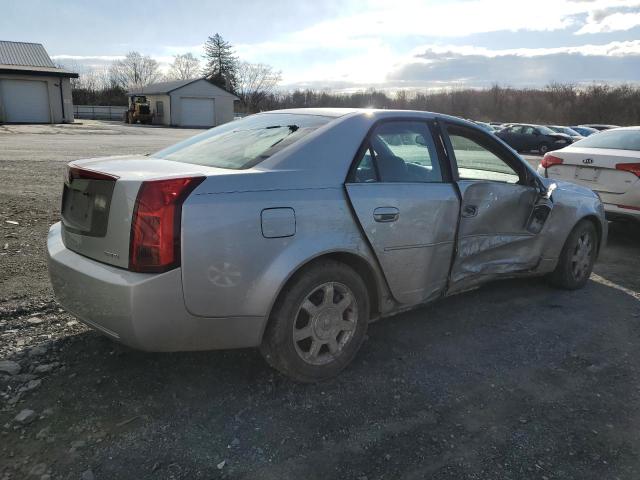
[318,323]
[577,257]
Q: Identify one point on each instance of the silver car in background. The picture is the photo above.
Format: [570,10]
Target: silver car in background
[292,230]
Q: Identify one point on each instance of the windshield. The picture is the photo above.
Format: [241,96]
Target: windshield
[614,139]
[545,130]
[243,143]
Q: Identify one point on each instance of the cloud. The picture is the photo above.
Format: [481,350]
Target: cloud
[602,21]
[434,66]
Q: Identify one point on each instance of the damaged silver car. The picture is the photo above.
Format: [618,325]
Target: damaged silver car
[292,230]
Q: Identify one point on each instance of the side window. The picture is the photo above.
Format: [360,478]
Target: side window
[399,151]
[478,158]
[529,130]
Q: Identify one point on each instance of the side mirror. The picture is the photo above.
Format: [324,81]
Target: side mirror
[549,191]
[420,140]
[539,216]
[541,210]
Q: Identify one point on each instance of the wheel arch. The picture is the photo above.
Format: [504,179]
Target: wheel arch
[357,262]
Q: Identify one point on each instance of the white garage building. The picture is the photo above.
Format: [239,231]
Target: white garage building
[32,88]
[189,103]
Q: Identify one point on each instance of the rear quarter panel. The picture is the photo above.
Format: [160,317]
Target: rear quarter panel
[230,269]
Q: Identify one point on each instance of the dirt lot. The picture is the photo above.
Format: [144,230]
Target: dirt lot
[514,380]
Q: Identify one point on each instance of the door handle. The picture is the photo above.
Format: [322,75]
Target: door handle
[386,214]
[469,211]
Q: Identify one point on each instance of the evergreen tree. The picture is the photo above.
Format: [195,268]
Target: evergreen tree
[221,67]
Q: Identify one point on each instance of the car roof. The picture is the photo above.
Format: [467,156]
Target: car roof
[373,112]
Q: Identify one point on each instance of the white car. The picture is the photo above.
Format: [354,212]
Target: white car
[608,163]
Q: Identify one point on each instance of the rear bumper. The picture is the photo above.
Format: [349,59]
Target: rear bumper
[144,311]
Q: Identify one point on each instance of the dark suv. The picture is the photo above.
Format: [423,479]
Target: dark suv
[525,138]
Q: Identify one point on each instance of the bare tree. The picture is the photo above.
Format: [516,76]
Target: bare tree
[255,82]
[184,67]
[134,71]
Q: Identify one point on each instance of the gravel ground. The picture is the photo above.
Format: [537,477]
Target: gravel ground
[511,381]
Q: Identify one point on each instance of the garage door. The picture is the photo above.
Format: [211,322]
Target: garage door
[25,101]
[197,112]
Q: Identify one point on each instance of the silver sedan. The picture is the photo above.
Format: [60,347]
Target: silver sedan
[292,230]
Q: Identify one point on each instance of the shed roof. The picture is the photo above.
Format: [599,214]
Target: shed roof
[162,88]
[19,57]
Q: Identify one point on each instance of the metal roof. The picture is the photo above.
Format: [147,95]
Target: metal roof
[32,58]
[162,88]
[24,54]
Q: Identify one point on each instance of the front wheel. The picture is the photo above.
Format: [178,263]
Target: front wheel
[318,323]
[543,148]
[577,257]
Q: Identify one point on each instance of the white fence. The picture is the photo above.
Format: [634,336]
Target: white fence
[99,112]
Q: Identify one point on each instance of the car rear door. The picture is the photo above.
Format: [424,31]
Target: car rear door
[498,195]
[530,139]
[402,194]
[514,137]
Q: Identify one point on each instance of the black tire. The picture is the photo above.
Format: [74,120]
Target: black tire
[543,148]
[290,356]
[573,270]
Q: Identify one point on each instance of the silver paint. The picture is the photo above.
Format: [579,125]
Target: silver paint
[232,272]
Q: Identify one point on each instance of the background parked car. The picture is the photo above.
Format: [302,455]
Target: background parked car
[575,136]
[608,163]
[524,138]
[487,126]
[584,131]
[600,126]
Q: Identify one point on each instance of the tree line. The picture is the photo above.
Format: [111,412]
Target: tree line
[564,104]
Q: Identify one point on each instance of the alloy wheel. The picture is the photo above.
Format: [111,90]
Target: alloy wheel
[325,323]
[581,258]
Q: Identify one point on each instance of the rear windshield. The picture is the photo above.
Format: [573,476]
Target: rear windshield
[243,143]
[615,139]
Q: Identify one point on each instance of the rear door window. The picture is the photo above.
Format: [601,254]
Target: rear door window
[399,151]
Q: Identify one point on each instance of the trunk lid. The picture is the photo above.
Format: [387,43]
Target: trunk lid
[595,169]
[99,198]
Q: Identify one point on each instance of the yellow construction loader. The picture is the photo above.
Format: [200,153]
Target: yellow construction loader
[139,110]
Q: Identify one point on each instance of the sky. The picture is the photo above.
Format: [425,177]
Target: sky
[346,45]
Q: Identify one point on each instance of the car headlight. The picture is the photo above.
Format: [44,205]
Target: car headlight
[560,140]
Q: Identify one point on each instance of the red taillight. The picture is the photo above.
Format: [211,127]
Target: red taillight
[629,167]
[549,160]
[155,227]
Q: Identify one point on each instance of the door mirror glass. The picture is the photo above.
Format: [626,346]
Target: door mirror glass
[404,151]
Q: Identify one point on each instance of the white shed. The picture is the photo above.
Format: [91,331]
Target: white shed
[189,103]
[32,88]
